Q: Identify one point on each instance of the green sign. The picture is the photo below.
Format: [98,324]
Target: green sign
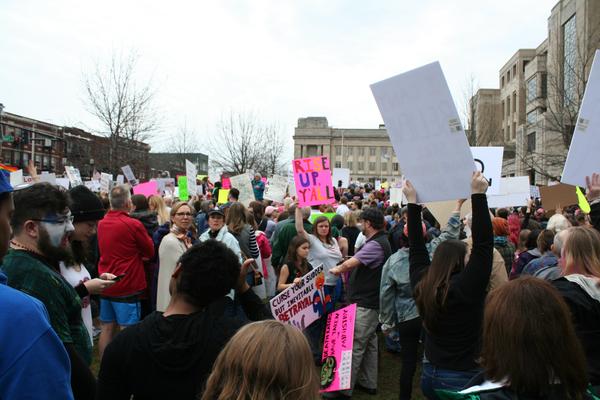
[8,138]
[183,189]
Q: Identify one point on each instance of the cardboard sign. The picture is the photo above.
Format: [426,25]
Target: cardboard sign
[226,183]
[182,186]
[106,181]
[276,188]
[313,181]
[242,183]
[64,182]
[147,188]
[74,176]
[442,210]
[488,160]
[514,191]
[16,178]
[336,371]
[301,305]
[419,115]
[128,172]
[223,194]
[558,196]
[191,171]
[341,177]
[582,159]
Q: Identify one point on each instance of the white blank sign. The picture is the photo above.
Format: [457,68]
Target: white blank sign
[425,130]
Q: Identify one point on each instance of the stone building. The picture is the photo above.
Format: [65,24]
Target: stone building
[367,153]
[52,147]
[540,93]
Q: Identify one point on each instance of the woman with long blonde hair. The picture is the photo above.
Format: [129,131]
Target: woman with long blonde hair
[264,361]
[157,204]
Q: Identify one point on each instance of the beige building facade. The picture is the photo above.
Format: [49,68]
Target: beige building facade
[540,93]
[367,153]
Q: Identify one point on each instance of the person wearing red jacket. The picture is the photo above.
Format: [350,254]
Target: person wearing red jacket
[124,244]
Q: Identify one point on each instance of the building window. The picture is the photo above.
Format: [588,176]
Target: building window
[502,82]
[531,142]
[311,151]
[349,150]
[384,166]
[338,164]
[372,151]
[514,74]
[531,89]
[544,86]
[361,151]
[349,164]
[532,117]
[514,102]
[503,108]
[514,130]
[395,167]
[508,106]
[372,166]
[361,166]
[569,63]
[508,76]
[338,150]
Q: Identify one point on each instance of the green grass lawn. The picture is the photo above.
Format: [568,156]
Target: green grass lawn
[389,376]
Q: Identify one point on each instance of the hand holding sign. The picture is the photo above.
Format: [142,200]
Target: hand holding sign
[313,181]
[409,191]
[593,187]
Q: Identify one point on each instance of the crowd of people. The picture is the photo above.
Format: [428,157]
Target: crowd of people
[501,304]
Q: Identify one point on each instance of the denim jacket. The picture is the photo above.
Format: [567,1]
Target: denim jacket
[396,302]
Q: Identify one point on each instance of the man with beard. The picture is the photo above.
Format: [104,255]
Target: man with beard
[42,224]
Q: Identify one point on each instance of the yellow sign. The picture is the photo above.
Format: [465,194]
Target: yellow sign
[583,203]
[223,194]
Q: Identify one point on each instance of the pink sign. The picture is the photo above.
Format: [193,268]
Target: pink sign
[336,371]
[147,188]
[226,183]
[312,177]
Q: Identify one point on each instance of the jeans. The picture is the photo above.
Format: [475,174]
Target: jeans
[410,334]
[434,378]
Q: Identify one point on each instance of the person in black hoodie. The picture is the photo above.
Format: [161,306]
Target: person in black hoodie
[450,291]
[142,213]
[170,355]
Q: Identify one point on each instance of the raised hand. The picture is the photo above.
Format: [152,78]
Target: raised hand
[478,183]
[593,187]
[409,191]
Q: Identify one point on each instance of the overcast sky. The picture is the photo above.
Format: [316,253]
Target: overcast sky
[283,59]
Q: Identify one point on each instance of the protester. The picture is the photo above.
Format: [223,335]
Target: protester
[363,289]
[547,266]
[169,355]
[142,213]
[286,234]
[87,210]
[502,243]
[244,370]
[258,187]
[269,221]
[171,248]
[124,245]
[33,361]
[552,368]
[514,228]
[499,274]
[157,204]
[42,224]
[202,216]
[350,231]
[218,230]
[281,221]
[579,288]
[296,263]
[342,208]
[450,290]
[398,312]
[526,256]
[237,225]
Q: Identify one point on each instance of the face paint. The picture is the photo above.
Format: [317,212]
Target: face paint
[57,231]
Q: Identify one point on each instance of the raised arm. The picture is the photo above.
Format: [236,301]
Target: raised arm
[593,196]
[299,222]
[476,275]
[418,255]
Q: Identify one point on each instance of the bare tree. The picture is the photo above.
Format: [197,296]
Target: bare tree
[244,142]
[469,109]
[185,140]
[563,87]
[124,108]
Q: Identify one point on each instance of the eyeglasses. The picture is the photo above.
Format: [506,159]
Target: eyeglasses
[183,214]
[58,221]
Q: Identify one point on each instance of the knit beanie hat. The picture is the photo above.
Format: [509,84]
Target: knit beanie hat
[86,206]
